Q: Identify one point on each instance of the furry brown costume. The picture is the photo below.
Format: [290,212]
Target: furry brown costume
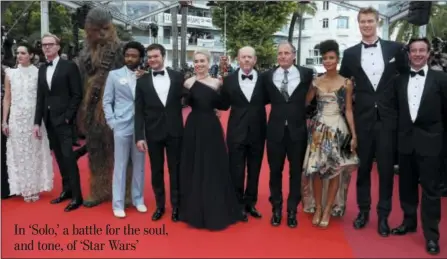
[102,52]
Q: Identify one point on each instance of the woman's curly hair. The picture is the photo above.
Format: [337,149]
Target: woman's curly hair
[328,46]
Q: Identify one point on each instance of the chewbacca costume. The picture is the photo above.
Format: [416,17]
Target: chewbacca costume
[102,52]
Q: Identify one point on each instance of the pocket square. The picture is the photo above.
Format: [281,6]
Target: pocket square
[392,60]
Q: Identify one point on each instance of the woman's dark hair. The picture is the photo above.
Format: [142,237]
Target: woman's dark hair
[328,46]
[134,45]
[28,47]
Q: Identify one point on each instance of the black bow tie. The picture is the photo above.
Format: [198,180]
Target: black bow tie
[374,45]
[49,63]
[245,77]
[420,72]
[156,73]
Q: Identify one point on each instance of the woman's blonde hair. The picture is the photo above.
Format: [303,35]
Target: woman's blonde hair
[203,52]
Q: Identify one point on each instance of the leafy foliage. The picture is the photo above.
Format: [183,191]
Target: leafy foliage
[28,25]
[252,23]
[435,27]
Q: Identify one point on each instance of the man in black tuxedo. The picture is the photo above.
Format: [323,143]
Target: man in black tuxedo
[286,88]
[59,93]
[372,64]
[421,94]
[159,125]
[244,92]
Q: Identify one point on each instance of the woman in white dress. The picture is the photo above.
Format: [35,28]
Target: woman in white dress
[29,159]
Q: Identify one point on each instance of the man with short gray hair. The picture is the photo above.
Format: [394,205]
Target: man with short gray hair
[286,86]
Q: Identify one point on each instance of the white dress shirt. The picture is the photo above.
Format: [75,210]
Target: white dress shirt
[50,71]
[247,85]
[162,84]
[373,64]
[415,89]
[293,77]
[132,80]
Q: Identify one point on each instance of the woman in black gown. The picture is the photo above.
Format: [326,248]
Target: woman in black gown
[207,196]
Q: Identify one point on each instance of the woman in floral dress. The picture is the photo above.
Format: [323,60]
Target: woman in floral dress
[29,160]
[330,156]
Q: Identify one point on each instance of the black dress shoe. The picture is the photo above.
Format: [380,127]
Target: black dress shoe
[403,229]
[174,216]
[276,218]
[432,247]
[244,216]
[361,220]
[158,214]
[73,205]
[291,219]
[64,196]
[383,228]
[253,212]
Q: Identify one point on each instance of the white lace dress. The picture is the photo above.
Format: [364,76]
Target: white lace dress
[29,160]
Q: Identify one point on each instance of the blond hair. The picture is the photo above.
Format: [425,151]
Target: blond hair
[204,52]
[50,35]
[368,10]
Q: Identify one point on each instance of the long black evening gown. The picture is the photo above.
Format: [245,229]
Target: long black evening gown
[207,197]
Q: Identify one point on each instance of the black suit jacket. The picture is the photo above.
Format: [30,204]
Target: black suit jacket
[371,105]
[425,134]
[154,121]
[293,111]
[247,118]
[63,98]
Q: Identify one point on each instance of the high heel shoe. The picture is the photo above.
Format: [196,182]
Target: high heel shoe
[324,223]
[317,217]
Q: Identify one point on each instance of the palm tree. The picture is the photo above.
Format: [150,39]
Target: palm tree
[302,8]
[435,27]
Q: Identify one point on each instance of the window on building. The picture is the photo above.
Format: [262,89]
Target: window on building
[307,24]
[343,22]
[326,5]
[325,23]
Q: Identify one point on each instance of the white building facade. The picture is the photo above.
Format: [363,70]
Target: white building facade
[329,22]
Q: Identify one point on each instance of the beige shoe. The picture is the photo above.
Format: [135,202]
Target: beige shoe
[119,213]
[141,208]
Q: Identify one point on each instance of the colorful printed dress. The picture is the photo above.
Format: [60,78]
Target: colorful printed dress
[328,130]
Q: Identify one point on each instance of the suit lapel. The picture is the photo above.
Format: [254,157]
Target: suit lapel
[387,55]
[43,76]
[171,80]
[358,63]
[235,82]
[56,70]
[302,79]
[427,87]
[123,74]
[151,85]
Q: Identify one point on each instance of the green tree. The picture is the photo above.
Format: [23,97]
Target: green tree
[252,23]
[123,34]
[28,20]
[435,27]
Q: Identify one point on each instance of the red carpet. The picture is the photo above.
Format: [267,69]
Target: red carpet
[253,239]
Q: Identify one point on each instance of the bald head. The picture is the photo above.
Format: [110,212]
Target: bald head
[247,59]
[247,50]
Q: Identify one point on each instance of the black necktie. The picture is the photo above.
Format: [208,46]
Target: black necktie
[49,63]
[245,77]
[156,73]
[374,45]
[420,72]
